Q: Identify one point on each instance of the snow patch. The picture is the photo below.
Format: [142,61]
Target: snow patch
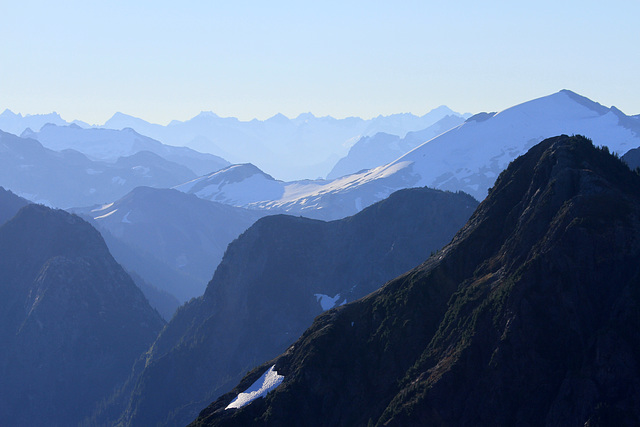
[326,301]
[125,219]
[103,207]
[381,195]
[106,215]
[216,187]
[266,383]
[358,204]
[142,170]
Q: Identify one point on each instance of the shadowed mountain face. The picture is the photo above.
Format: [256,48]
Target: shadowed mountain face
[273,280]
[72,322]
[173,240]
[10,204]
[529,316]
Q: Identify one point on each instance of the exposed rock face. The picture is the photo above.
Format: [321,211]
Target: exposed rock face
[271,284]
[529,317]
[72,322]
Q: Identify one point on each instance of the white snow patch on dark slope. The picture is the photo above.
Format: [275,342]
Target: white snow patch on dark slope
[266,383]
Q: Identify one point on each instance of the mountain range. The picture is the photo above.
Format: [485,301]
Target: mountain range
[466,158]
[273,280]
[110,145]
[68,178]
[528,317]
[303,147]
[299,148]
[11,122]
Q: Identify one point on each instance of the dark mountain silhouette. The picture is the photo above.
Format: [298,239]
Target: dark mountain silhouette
[273,280]
[72,322]
[530,316]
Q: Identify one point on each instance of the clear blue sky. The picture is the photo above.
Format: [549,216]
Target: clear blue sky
[162,60]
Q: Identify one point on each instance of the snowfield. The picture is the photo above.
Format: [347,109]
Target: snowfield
[266,383]
[466,158]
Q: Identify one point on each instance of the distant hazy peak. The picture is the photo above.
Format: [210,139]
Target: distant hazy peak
[205,114]
[119,115]
[279,117]
[27,133]
[442,109]
[305,116]
[9,113]
[120,120]
[242,171]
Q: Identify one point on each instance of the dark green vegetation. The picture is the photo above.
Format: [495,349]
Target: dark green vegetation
[261,297]
[72,322]
[530,316]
